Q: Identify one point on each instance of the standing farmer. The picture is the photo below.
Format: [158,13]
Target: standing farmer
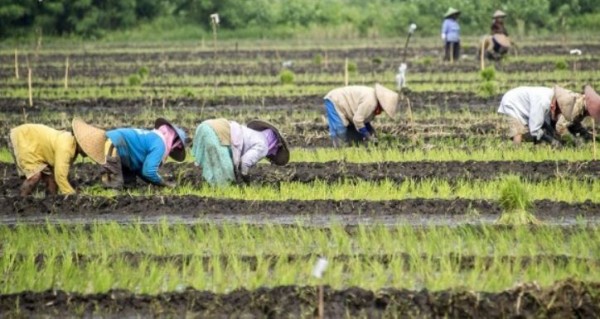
[129,152]
[43,154]
[451,35]
[227,150]
[497,44]
[354,107]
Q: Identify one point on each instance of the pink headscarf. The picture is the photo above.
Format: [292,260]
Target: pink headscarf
[272,141]
[168,136]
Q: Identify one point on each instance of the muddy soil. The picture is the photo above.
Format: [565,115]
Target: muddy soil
[568,299]
[192,209]
[440,100]
[332,172]
[460,262]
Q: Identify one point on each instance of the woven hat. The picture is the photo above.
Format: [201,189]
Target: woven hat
[388,99]
[499,14]
[502,40]
[592,102]
[571,104]
[282,156]
[90,139]
[451,11]
[178,153]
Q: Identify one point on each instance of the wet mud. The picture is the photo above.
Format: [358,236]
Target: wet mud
[567,299]
[84,175]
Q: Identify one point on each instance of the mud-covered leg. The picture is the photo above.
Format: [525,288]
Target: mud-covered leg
[29,184]
[51,186]
[112,175]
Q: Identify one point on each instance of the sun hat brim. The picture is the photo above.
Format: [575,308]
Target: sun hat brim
[388,99]
[282,156]
[90,139]
[178,153]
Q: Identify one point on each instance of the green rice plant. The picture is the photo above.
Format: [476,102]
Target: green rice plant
[488,74]
[286,77]
[515,202]
[560,64]
[352,67]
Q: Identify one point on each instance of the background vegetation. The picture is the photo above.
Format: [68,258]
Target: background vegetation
[281,18]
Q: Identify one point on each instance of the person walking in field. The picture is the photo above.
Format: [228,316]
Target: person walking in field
[451,35]
[226,150]
[542,114]
[351,109]
[125,153]
[42,153]
[497,44]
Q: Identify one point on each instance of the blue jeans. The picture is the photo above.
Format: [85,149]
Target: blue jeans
[336,126]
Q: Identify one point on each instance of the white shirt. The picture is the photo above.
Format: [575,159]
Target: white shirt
[530,105]
[247,145]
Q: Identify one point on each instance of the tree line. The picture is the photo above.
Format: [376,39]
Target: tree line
[93,18]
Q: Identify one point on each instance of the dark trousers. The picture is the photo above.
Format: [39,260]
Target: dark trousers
[452,48]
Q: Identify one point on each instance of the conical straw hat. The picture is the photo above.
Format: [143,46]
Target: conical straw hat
[499,14]
[282,156]
[451,11]
[502,40]
[387,98]
[592,102]
[571,104]
[91,140]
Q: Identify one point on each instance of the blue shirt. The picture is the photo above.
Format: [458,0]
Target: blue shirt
[141,151]
[451,29]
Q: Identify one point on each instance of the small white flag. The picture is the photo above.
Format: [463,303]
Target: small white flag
[320,267]
[575,52]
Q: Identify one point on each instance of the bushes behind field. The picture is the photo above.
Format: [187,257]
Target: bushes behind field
[268,18]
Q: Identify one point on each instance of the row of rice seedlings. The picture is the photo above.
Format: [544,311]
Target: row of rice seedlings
[271,239]
[436,271]
[567,190]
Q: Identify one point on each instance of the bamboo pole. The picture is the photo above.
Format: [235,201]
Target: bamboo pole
[481,55]
[29,85]
[346,72]
[321,313]
[594,137]
[67,72]
[17,64]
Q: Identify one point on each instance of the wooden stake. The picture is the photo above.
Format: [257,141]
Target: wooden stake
[30,88]
[67,73]
[16,64]
[326,60]
[410,117]
[594,137]
[214,27]
[346,72]
[321,303]
[481,55]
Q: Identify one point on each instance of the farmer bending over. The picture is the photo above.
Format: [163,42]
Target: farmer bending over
[226,150]
[129,152]
[351,109]
[497,44]
[538,112]
[43,154]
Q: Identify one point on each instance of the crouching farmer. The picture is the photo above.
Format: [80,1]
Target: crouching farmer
[127,153]
[351,109]
[572,108]
[226,150]
[42,153]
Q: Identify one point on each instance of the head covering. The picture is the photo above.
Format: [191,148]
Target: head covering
[272,141]
[502,40]
[592,102]
[499,14]
[571,104]
[451,11]
[282,156]
[177,153]
[169,137]
[90,139]
[387,98]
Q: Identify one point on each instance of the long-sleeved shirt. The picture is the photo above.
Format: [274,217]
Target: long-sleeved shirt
[530,105]
[498,28]
[247,146]
[141,151]
[451,30]
[354,103]
[37,146]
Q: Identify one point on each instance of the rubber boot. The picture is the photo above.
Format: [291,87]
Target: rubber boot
[112,176]
[29,184]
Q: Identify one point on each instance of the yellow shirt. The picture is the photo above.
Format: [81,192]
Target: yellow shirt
[38,146]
